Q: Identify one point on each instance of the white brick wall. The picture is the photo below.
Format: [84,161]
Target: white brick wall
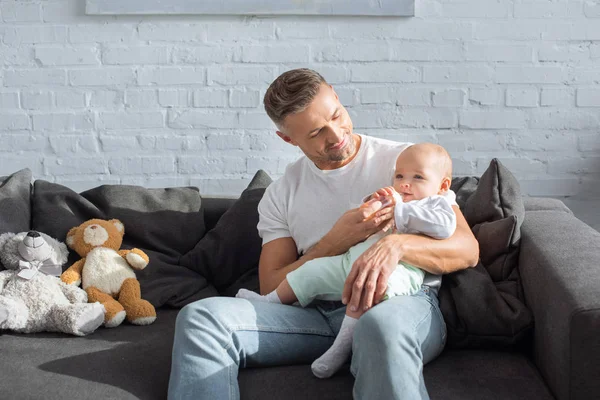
[167,101]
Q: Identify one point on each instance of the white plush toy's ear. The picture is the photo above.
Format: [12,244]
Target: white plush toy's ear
[118,224]
[5,237]
[59,253]
[71,237]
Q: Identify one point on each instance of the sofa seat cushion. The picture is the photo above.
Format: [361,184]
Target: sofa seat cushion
[127,362]
[456,374]
[132,362]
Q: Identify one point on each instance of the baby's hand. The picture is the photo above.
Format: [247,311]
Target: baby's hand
[377,203]
[388,196]
[386,191]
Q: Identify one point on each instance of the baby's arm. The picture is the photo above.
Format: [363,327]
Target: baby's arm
[432,216]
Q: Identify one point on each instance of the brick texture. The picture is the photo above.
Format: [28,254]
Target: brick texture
[163,101]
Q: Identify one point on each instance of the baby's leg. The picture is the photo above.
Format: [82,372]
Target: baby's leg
[283,294]
[333,359]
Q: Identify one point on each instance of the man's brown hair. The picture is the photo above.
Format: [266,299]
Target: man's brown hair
[291,93]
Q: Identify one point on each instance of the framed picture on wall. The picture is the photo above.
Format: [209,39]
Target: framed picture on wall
[253,7]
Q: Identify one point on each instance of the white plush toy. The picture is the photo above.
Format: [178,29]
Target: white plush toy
[32,297]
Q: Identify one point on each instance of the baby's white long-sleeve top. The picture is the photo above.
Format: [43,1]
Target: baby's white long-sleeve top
[432,216]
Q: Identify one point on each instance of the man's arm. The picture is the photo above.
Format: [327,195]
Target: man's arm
[280,256]
[367,281]
[459,251]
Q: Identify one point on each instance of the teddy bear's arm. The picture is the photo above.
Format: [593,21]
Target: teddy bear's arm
[4,276]
[136,258]
[73,293]
[72,276]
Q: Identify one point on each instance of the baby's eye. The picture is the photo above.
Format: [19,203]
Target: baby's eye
[419,177]
[399,176]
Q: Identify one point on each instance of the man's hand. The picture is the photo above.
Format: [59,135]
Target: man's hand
[357,225]
[367,282]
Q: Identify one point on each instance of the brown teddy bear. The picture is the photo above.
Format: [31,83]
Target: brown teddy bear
[106,273]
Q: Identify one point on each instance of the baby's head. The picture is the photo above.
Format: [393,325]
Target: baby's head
[422,170]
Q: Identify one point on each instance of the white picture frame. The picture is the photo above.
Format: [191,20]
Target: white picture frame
[253,7]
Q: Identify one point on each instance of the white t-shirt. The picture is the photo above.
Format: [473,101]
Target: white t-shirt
[306,202]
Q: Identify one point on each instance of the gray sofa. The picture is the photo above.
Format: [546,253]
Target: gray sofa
[559,264]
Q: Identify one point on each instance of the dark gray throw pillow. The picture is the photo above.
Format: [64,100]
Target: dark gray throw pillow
[464,187]
[15,202]
[483,306]
[164,223]
[228,254]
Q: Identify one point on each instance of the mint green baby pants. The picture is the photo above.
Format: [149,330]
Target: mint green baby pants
[324,278]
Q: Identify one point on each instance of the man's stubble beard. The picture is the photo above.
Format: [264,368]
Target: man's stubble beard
[347,152]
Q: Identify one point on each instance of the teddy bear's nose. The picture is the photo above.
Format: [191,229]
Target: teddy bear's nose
[33,234]
[94,226]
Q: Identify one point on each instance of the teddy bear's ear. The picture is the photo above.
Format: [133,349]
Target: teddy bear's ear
[71,237]
[119,225]
[5,237]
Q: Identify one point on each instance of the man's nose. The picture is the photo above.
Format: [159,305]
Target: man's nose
[334,135]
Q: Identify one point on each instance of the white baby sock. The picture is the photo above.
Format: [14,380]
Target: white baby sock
[332,360]
[250,295]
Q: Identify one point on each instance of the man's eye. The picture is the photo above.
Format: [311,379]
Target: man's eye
[315,134]
[336,116]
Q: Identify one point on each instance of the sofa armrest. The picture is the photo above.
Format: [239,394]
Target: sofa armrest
[559,264]
[544,203]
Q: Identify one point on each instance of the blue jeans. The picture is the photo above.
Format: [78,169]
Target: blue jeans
[215,337]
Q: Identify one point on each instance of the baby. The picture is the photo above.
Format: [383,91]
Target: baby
[422,203]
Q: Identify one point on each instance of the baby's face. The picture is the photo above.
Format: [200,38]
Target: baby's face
[418,175]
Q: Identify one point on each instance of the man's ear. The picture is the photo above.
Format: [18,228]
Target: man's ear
[286,138]
[445,184]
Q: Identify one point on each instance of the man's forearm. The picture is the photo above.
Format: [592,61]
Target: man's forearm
[438,256]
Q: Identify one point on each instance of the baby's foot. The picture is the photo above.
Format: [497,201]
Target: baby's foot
[333,359]
[250,295]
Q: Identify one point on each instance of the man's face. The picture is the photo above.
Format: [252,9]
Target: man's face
[323,131]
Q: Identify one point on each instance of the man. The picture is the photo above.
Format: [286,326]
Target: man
[304,213]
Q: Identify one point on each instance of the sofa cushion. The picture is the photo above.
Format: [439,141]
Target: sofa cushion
[127,362]
[464,187]
[15,200]
[483,306]
[228,254]
[454,375]
[545,203]
[132,362]
[165,223]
